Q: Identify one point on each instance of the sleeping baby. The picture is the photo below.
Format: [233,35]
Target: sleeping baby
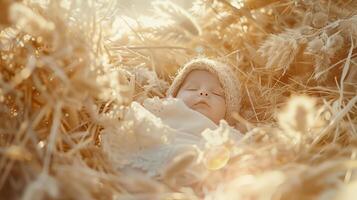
[196,113]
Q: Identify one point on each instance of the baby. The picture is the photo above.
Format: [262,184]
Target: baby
[208,87]
[203,95]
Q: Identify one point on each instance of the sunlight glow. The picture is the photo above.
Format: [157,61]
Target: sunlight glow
[238,3]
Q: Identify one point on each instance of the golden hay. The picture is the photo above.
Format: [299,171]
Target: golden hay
[69,69]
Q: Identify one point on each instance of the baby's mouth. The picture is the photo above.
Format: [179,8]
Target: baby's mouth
[201,103]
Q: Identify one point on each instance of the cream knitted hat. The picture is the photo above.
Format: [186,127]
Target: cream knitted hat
[225,75]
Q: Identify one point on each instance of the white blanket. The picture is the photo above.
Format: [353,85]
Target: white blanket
[153,133]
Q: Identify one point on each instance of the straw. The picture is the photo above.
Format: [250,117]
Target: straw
[69,69]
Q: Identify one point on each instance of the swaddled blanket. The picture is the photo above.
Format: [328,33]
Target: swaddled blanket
[153,133]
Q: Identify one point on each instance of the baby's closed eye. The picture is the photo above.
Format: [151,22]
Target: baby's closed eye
[191,89]
[218,93]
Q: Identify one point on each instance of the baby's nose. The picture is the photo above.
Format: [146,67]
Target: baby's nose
[203,93]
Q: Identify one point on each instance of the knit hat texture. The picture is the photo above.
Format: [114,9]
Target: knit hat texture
[225,75]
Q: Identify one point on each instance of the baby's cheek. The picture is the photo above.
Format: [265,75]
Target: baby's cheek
[219,100]
[220,105]
[190,100]
[186,97]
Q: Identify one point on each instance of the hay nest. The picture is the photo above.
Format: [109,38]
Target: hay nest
[69,69]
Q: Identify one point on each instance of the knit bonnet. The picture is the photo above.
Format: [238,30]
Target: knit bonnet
[226,77]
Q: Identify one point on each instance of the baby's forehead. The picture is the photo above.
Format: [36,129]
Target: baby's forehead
[194,74]
[202,76]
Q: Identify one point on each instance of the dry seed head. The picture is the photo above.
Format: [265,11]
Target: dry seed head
[319,20]
[141,183]
[348,28]
[308,18]
[179,164]
[179,15]
[280,50]
[322,61]
[315,45]
[148,185]
[298,115]
[334,43]
[29,21]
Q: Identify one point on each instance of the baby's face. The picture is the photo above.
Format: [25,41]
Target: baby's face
[202,92]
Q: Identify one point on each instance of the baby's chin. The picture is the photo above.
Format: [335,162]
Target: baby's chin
[204,112]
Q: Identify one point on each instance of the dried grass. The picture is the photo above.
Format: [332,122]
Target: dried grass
[69,69]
